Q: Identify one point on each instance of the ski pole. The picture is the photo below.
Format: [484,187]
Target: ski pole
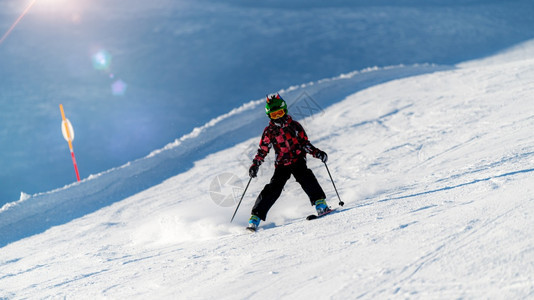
[241,199]
[341,203]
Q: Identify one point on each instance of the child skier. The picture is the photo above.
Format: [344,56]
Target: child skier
[290,144]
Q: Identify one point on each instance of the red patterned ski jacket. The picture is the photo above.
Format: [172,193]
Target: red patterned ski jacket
[289,141]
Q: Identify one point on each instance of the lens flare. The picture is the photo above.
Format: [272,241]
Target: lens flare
[4,37]
[102,60]
[118,88]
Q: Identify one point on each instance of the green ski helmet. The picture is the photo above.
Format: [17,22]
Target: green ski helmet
[275,103]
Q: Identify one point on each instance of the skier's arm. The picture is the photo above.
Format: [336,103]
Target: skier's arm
[263,150]
[303,139]
[308,147]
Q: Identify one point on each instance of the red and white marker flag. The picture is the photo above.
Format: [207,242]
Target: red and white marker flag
[68,134]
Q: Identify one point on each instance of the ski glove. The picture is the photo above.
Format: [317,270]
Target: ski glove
[322,156]
[253,171]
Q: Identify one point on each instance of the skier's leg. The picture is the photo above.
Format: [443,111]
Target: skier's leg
[307,180]
[271,192]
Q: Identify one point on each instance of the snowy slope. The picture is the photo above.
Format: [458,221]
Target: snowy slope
[36,213]
[436,172]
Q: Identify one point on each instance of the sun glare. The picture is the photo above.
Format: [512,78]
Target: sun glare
[8,32]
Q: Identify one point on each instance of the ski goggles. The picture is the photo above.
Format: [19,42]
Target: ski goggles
[277,114]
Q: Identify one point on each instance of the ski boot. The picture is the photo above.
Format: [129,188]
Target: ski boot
[253,223]
[321,207]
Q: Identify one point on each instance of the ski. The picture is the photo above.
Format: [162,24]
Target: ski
[251,229]
[313,217]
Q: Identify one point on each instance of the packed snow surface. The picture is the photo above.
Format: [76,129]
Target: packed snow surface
[435,167]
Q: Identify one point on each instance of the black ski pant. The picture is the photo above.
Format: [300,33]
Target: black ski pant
[273,189]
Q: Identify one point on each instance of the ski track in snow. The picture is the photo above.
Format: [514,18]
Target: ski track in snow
[438,193]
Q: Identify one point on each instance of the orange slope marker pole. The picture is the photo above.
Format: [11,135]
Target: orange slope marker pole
[66,126]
